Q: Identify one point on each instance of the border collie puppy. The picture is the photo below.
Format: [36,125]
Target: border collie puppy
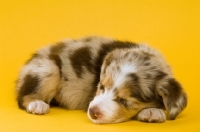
[113,80]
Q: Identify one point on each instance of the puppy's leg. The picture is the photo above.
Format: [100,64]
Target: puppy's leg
[37,85]
[152,115]
[38,107]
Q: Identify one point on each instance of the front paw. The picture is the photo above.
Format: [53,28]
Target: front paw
[153,115]
[38,107]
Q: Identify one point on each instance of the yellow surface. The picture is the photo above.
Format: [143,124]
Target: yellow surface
[171,26]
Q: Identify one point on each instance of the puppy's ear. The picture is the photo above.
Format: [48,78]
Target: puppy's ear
[174,98]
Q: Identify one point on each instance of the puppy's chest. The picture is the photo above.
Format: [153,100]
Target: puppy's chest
[75,92]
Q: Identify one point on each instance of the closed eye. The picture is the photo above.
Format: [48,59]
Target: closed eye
[122,101]
[102,87]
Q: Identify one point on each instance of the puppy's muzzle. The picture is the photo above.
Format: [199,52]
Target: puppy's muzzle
[95,113]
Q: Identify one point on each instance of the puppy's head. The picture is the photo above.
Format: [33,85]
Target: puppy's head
[132,80]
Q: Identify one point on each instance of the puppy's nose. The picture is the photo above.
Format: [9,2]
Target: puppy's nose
[95,113]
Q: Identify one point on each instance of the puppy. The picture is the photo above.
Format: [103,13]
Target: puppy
[113,80]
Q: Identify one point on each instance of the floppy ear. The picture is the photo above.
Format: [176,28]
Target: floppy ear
[174,98]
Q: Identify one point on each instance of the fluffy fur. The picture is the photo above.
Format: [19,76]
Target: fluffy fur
[113,80]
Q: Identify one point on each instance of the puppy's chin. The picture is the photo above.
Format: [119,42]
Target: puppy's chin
[109,121]
[104,120]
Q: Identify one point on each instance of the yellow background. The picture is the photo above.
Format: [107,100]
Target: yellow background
[171,26]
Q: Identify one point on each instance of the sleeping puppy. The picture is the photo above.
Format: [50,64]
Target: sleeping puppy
[113,80]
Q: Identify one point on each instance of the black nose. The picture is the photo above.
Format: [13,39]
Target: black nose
[95,113]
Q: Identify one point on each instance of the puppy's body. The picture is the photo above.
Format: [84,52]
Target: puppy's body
[116,79]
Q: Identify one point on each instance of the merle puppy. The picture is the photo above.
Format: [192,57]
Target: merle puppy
[113,80]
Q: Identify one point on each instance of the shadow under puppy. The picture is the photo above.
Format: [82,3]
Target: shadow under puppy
[113,80]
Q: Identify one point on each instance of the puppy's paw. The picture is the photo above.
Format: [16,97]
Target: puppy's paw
[38,107]
[153,115]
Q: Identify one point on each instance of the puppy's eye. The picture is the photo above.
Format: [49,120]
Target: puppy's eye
[102,87]
[123,102]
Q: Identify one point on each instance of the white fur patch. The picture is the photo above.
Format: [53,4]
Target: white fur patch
[38,107]
[106,106]
[120,77]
